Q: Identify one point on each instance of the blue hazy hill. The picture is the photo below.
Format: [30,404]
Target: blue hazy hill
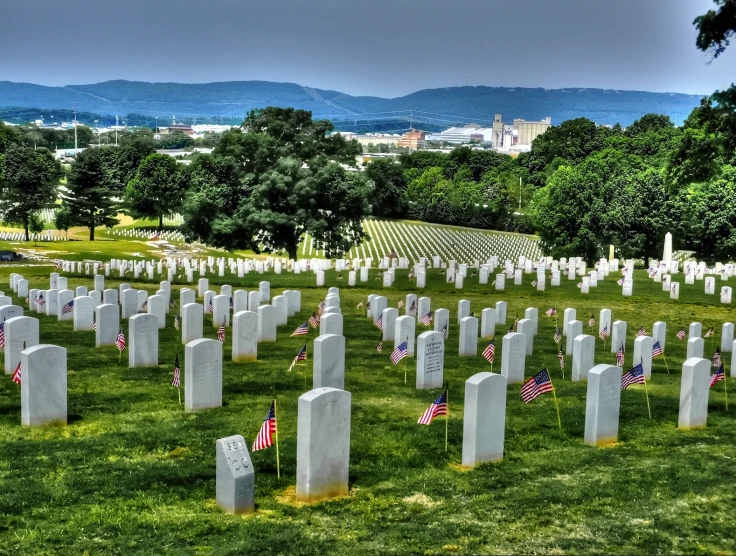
[231,100]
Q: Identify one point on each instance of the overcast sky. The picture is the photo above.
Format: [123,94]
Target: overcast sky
[377,47]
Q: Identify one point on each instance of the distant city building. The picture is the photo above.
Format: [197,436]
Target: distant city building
[412,139]
[528,131]
[470,133]
[176,128]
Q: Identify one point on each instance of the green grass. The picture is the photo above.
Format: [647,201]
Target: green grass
[133,473]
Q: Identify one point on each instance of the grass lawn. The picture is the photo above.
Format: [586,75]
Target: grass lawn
[133,473]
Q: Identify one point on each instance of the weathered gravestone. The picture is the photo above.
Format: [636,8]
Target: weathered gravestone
[107,319]
[574,329]
[583,357]
[235,478]
[20,333]
[484,419]
[618,335]
[643,354]
[526,327]
[328,370]
[323,444]
[157,308]
[331,323]
[43,385]
[266,323]
[245,336]
[430,360]
[695,348]
[142,341]
[404,331]
[513,357]
[694,387]
[602,405]
[202,374]
[468,345]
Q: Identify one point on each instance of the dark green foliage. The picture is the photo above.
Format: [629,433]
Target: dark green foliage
[275,179]
[157,190]
[28,183]
[389,188]
[88,197]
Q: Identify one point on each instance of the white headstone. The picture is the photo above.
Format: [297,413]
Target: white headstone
[43,385]
[202,374]
[245,336]
[83,313]
[501,308]
[405,332]
[328,370]
[323,444]
[618,335]
[694,387]
[142,341]
[235,477]
[267,323]
[468,345]
[430,360]
[20,333]
[513,357]
[107,318]
[583,356]
[331,324]
[643,354]
[526,327]
[695,348]
[574,329]
[484,419]
[488,323]
[602,405]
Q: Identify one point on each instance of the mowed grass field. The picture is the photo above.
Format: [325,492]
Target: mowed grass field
[133,473]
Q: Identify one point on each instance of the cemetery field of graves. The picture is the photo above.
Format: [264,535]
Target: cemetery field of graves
[133,472]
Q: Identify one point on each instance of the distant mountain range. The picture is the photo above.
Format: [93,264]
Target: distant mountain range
[227,102]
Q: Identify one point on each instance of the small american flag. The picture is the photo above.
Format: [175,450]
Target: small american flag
[40,300]
[16,375]
[221,333]
[2,334]
[411,275]
[94,322]
[641,332]
[314,320]
[176,322]
[209,306]
[620,281]
[717,358]
[177,373]
[591,322]
[400,304]
[172,303]
[634,376]
[413,306]
[580,284]
[359,306]
[561,359]
[719,375]
[302,329]
[534,283]
[438,407]
[603,334]
[490,352]
[620,357]
[657,350]
[426,320]
[681,335]
[301,356]
[710,333]
[155,237]
[120,342]
[537,385]
[379,323]
[268,430]
[564,272]
[379,347]
[321,308]
[145,305]
[558,336]
[444,331]
[550,312]
[28,299]
[401,351]
[67,308]
[516,323]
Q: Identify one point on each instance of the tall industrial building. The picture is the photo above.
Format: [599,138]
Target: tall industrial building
[528,131]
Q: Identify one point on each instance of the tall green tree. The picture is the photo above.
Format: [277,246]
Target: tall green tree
[283,178]
[89,196]
[157,190]
[28,183]
[389,188]
[712,213]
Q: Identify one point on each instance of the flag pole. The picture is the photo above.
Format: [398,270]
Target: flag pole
[447,416]
[646,390]
[554,395]
[406,363]
[665,363]
[725,385]
[278,462]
